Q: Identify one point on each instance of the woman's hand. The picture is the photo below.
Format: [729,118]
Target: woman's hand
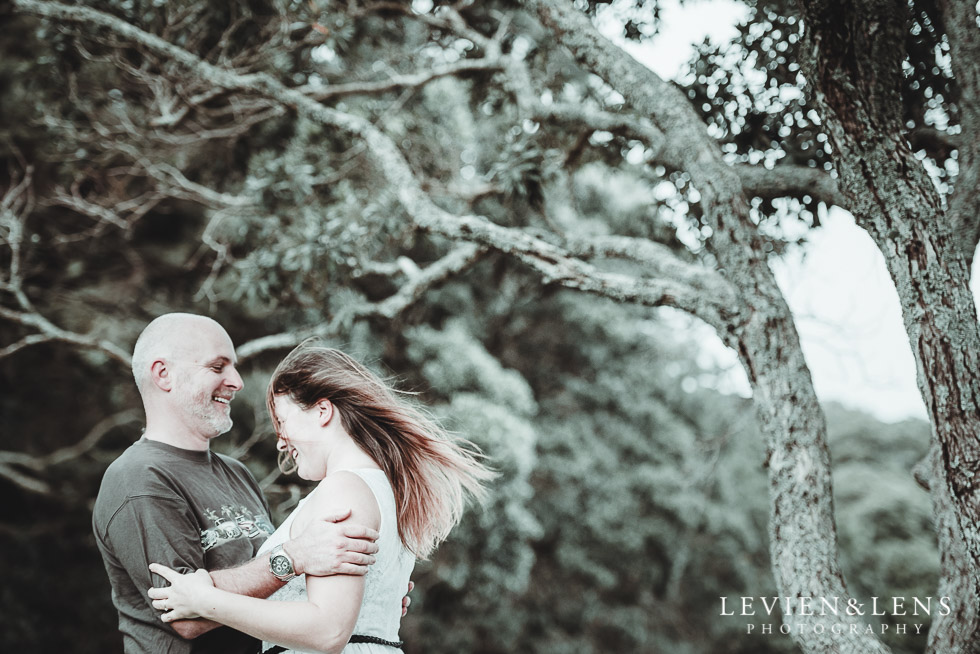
[185,595]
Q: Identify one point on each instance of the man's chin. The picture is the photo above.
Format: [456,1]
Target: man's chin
[223,427]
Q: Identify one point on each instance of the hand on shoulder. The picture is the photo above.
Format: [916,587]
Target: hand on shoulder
[325,541]
[339,492]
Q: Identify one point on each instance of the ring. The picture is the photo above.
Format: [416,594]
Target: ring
[166,605]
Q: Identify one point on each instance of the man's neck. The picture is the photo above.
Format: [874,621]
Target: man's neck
[176,437]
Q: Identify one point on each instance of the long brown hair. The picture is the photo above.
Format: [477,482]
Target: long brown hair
[429,472]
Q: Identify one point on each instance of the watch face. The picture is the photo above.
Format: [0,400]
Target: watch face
[280,565]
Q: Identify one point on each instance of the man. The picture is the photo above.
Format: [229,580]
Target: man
[169,499]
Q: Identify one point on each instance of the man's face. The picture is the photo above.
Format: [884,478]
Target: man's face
[205,381]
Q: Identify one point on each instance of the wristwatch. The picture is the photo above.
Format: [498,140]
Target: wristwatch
[280,565]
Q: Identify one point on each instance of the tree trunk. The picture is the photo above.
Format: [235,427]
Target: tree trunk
[959,631]
[855,71]
[959,18]
[803,534]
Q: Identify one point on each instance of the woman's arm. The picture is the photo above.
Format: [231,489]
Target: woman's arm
[331,545]
[309,625]
[323,623]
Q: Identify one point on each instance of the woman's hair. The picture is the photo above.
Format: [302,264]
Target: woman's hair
[430,473]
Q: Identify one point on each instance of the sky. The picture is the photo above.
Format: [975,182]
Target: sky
[846,307]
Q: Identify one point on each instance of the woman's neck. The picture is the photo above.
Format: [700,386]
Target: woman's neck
[348,456]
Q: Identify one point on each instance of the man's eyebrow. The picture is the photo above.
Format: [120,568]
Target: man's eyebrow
[220,359]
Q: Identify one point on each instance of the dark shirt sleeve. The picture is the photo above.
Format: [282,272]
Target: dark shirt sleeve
[149,529]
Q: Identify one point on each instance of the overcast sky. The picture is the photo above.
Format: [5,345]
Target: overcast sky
[846,308]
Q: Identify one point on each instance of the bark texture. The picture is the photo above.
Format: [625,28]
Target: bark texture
[960,24]
[958,631]
[856,54]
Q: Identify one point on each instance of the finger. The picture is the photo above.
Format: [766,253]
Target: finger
[411,586]
[351,569]
[156,593]
[362,539]
[159,605]
[337,516]
[359,559]
[164,572]
[360,532]
[359,546]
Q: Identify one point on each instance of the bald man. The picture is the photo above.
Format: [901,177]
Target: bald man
[169,499]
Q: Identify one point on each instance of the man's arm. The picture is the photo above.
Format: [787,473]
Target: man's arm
[331,546]
[191,629]
[327,547]
[149,529]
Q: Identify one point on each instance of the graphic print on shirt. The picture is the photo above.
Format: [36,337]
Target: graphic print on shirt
[233,522]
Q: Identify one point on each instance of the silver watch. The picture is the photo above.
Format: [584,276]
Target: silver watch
[280,565]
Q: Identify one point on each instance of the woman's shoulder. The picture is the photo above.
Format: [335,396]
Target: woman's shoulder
[340,491]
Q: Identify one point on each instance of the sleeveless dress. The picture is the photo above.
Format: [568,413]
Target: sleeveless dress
[385,583]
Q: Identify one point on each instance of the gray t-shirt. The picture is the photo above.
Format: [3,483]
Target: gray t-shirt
[186,510]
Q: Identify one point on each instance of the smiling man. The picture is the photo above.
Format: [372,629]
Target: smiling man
[169,499]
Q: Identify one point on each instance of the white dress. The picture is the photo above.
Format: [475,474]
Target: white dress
[385,583]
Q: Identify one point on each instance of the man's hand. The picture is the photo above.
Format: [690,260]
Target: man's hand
[333,547]
[407,601]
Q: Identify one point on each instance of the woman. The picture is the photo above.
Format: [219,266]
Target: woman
[394,468]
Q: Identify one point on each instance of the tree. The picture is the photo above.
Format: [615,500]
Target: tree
[279,123]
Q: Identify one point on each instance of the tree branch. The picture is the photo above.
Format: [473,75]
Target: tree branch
[169,175]
[790,181]
[519,82]
[757,181]
[658,261]
[82,206]
[48,332]
[395,82]
[24,481]
[554,264]
[450,20]
[390,308]
[603,120]
[453,263]
[85,445]
[15,206]
[10,461]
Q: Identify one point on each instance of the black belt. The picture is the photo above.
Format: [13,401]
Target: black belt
[374,640]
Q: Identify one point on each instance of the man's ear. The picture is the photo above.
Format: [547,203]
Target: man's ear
[324,412]
[161,375]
